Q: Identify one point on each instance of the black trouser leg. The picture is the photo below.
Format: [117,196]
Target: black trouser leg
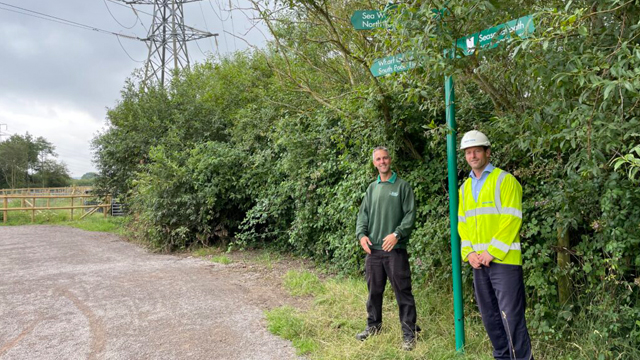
[501,300]
[376,281]
[490,311]
[399,271]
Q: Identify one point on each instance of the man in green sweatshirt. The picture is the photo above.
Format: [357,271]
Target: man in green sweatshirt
[384,226]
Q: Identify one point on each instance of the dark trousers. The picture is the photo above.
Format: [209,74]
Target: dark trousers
[395,265]
[501,300]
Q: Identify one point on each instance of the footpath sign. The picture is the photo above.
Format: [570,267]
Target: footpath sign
[393,64]
[492,37]
[371,19]
[368,19]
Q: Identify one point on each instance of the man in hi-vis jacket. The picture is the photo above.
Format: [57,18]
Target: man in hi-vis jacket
[489,220]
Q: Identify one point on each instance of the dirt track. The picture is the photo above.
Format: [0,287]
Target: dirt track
[71,294]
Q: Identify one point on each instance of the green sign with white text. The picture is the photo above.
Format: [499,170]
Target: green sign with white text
[490,38]
[368,19]
[392,64]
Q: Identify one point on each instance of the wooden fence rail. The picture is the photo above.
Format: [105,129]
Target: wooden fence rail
[27,205]
[69,190]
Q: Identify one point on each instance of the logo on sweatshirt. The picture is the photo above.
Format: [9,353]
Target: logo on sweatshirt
[393,193]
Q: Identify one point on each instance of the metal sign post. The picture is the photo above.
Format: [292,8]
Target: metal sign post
[456,258]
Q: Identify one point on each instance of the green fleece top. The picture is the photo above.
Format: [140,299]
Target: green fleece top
[387,207]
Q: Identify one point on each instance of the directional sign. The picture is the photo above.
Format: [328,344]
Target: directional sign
[368,19]
[393,64]
[490,38]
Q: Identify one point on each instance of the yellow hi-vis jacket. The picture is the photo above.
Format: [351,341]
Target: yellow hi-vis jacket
[493,222]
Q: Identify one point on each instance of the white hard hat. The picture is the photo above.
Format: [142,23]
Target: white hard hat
[474,138]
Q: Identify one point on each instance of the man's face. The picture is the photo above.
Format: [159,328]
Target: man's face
[477,157]
[382,161]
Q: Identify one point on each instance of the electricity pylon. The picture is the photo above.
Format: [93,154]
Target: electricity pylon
[167,39]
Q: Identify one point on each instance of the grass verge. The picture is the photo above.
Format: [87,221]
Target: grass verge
[327,330]
[98,222]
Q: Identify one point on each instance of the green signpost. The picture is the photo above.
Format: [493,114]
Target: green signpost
[392,64]
[485,39]
[368,19]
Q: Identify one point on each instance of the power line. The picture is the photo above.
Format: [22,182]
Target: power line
[206,26]
[131,6]
[216,13]
[224,32]
[141,23]
[43,18]
[199,48]
[126,52]
[40,17]
[217,47]
[62,21]
[116,20]
[135,11]
[233,28]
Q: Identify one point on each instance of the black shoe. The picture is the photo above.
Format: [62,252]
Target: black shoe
[409,340]
[369,331]
[409,343]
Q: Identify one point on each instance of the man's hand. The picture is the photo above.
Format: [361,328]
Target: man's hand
[389,242]
[365,242]
[474,260]
[485,258]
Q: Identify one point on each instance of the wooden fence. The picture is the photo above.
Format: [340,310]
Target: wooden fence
[28,204]
[69,190]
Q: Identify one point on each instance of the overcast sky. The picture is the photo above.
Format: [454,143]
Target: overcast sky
[56,81]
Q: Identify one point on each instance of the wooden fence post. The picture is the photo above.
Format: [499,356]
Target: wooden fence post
[6,205]
[33,212]
[71,207]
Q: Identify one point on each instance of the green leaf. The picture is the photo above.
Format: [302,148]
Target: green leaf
[608,89]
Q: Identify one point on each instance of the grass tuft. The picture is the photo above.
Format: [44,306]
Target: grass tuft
[302,283]
[206,251]
[268,258]
[288,324]
[221,259]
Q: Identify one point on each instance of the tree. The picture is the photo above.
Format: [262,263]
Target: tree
[89,176]
[51,174]
[27,161]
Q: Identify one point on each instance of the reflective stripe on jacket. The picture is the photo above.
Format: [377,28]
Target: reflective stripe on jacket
[493,222]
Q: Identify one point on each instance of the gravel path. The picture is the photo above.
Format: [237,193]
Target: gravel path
[71,294]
